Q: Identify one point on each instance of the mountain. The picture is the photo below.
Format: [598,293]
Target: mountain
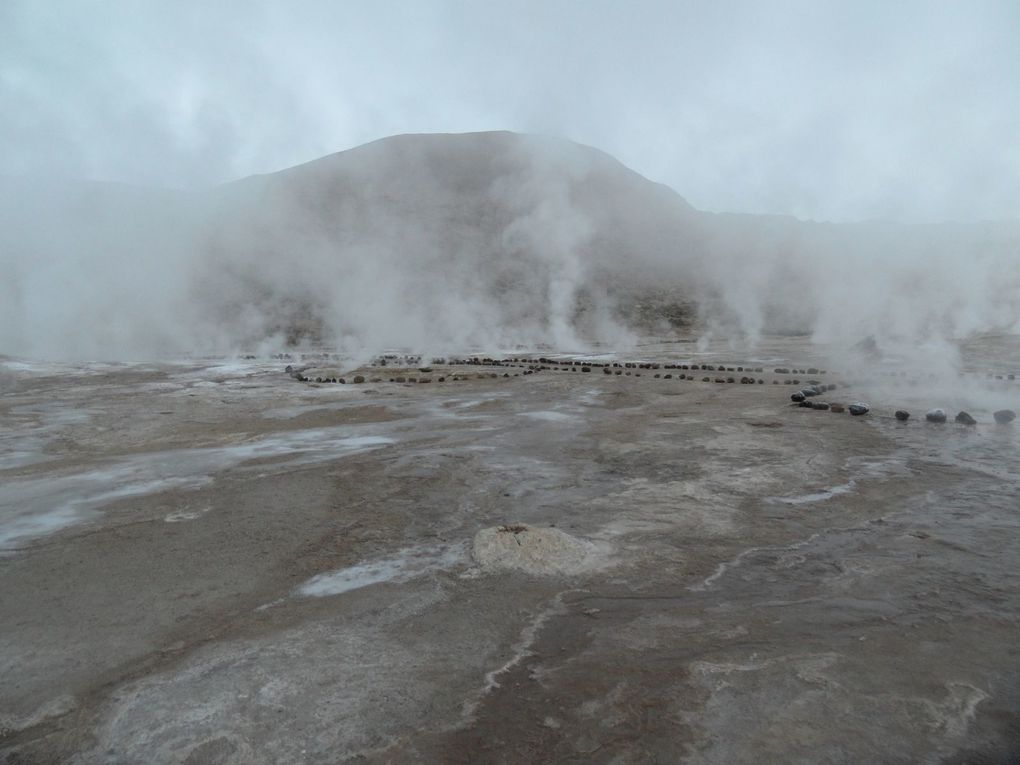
[444,242]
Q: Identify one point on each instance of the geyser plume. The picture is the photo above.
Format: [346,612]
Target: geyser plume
[449,242]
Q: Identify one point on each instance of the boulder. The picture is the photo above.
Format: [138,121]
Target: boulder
[820,405]
[963,418]
[1004,416]
[838,408]
[797,397]
[902,415]
[858,409]
[936,415]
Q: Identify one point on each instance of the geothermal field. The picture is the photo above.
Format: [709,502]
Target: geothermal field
[484,448]
[538,556]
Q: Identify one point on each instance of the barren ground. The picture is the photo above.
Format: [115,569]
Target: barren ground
[211,562]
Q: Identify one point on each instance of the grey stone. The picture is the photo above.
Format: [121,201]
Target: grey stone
[1004,416]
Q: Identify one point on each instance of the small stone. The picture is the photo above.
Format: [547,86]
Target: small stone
[936,415]
[820,405]
[358,379]
[858,409]
[806,405]
[797,397]
[963,418]
[902,415]
[838,408]
[1004,416]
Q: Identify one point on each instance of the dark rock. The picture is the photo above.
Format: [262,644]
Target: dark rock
[798,397]
[820,405]
[1004,416]
[838,408]
[585,369]
[902,415]
[963,418]
[936,415]
[858,409]
[806,405]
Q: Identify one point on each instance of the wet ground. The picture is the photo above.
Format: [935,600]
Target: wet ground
[211,562]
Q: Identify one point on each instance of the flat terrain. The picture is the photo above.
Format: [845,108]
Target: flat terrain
[212,562]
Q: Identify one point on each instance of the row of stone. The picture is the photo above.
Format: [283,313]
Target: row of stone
[808,371]
[857,409]
[939,416]
[563,363]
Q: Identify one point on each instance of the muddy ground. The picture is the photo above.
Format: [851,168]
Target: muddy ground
[211,562]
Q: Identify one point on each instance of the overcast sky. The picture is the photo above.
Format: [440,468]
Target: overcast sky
[839,111]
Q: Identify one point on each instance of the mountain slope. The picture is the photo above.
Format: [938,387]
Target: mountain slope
[449,241]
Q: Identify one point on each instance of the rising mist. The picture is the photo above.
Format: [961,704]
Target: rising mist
[478,241]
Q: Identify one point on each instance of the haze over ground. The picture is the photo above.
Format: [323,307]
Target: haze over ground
[823,111]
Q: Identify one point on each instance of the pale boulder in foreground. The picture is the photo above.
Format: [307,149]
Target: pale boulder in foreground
[539,551]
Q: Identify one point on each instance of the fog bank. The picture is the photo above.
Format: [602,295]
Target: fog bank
[486,241]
